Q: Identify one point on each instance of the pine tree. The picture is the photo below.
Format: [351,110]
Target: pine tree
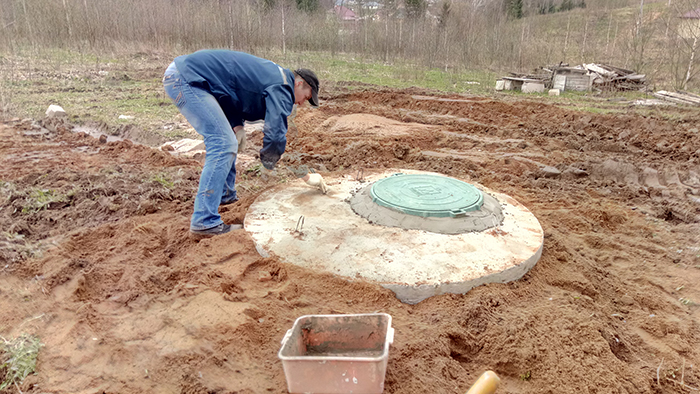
[307,5]
[566,5]
[515,8]
[416,8]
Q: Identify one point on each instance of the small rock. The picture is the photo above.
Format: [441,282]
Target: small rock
[103,139]
[549,172]
[627,300]
[167,148]
[575,172]
[264,277]
[554,92]
[55,111]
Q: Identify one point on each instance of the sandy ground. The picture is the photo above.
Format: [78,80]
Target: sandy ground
[96,258]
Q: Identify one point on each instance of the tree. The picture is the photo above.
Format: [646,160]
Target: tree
[308,6]
[514,9]
[566,5]
[415,9]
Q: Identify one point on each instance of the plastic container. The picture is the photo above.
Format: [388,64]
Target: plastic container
[337,353]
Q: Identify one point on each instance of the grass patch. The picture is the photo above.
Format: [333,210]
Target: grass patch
[18,359]
[394,74]
[164,179]
[39,199]
[92,87]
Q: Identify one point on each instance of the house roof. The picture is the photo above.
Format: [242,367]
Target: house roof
[694,14]
[345,13]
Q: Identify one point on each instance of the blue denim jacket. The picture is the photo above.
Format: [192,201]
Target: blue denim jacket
[247,88]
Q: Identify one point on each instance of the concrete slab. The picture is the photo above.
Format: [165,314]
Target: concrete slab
[415,264]
[533,87]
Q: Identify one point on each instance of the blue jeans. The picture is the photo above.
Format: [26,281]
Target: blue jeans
[217,182]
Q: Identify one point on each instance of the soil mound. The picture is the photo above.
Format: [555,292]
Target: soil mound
[96,260]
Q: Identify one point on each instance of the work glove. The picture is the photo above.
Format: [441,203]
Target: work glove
[316,180]
[242,140]
[269,160]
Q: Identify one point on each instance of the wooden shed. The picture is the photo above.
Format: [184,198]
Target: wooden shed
[570,78]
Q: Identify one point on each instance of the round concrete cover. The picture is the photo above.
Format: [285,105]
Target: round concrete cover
[415,264]
[427,195]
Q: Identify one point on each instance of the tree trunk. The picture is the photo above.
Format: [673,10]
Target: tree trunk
[230,24]
[91,33]
[639,21]
[26,19]
[386,36]
[520,48]
[284,33]
[70,28]
[566,39]
[690,63]
[607,39]
[583,45]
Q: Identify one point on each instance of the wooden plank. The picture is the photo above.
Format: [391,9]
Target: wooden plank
[663,95]
[683,97]
[671,99]
[632,77]
[689,94]
[578,82]
[559,82]
[618,70]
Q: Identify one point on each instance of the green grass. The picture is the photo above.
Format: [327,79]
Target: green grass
[39,199]
[94,100]
[96,88]
[164,179]
[90,88]
[395,74]
[18,359]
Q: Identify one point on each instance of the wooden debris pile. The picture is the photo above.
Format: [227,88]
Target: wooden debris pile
[611,78]
[593,76]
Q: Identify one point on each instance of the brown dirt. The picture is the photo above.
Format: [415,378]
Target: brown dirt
[96,258]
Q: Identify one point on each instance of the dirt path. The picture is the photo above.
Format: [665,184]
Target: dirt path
[98,263]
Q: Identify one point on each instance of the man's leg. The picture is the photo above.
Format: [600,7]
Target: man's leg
[229,195]
[203,112]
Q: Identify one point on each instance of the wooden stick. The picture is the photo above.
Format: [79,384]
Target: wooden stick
[683,372]
[658,382]
[682,384]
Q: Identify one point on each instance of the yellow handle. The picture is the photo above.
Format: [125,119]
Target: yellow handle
[486,384]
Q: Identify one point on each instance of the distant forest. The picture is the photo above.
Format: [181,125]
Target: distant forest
[518,35]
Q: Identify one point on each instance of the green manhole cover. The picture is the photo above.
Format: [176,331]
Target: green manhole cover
[427,195]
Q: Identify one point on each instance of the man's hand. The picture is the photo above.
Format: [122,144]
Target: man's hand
[241,138]
[316,180]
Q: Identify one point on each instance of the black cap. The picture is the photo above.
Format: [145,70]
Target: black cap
[310,78]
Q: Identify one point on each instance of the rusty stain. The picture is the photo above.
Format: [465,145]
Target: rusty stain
[497,232]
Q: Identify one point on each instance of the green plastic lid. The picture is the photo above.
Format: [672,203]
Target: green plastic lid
[427,195]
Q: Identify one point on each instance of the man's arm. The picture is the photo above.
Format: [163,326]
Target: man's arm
[278,105]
